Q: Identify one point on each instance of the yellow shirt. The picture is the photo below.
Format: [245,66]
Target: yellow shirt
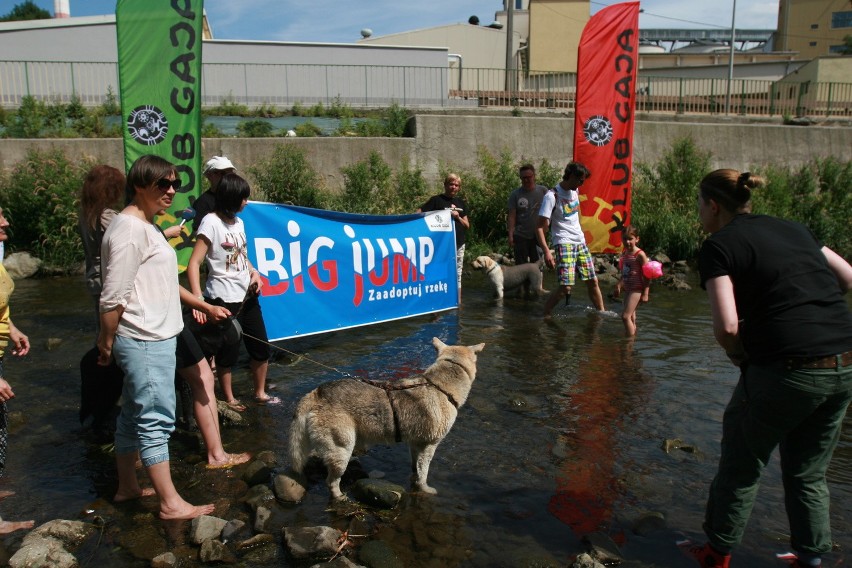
[7,286]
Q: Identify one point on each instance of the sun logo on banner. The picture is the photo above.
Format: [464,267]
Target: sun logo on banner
[147,125]
[603,234]
[598,130]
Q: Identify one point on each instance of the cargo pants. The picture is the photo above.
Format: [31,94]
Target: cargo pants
[800,411]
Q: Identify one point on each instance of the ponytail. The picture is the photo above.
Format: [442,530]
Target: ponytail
[730,189]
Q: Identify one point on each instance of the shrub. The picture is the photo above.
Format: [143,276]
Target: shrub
[367,186]
[210,130]
[255,129]
[307,130]
[317,110]
[228,107]
[345,128]
[287,177]
[29,120]
[266,110]
[548,174]
[55,121]
[111,106]
[94,125]
[488,204]
[39,196]
[815,195]
[411,189]
[75,109]
[664,200]
[395,120]
[338,109]
[370,128]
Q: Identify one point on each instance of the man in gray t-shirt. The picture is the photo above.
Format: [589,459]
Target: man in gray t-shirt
[524,204]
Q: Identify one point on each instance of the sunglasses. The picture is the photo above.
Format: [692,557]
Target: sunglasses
[527,177]
[164,184]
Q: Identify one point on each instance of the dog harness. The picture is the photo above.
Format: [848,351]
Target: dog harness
[388,387]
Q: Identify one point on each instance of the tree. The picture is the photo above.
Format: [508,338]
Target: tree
[847,45]
[26,11]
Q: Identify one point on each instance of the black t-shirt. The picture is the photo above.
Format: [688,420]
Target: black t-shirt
[441,202]
[787,297]
[203,205]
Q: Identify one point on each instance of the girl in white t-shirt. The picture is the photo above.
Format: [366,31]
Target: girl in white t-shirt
[234,283]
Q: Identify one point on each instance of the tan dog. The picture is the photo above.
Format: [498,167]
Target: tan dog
[337,418]
[508,278]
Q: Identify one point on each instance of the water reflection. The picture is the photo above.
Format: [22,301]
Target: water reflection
[561,436]
[607,391]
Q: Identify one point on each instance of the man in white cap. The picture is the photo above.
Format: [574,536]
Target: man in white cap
[215,168]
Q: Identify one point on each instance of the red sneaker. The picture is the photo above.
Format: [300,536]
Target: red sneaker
[790,559]
[705,555]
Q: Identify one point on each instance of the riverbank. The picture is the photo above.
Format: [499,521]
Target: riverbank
[453,141]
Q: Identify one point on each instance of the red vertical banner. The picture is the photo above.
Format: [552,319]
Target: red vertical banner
[607,61]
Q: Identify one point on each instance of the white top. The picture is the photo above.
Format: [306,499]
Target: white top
[140,274]
[228,275]
[565,225]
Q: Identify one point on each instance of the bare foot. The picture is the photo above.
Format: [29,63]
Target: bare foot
[7,527]
[266,399]
[230,460]
[186,512]
[122,497]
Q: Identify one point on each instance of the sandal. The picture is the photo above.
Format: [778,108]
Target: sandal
[236,405]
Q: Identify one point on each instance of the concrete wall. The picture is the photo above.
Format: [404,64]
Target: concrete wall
[454,140]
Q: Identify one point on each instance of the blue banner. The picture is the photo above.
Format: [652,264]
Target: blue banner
[327,271]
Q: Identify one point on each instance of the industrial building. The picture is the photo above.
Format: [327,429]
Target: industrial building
[516,60]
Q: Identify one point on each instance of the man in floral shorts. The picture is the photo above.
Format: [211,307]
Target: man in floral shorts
[560,209]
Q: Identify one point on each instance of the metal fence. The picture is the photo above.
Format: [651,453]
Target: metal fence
[285,85]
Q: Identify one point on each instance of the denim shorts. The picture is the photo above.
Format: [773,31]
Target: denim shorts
[148,398]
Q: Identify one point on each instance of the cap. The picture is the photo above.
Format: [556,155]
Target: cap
[217,163]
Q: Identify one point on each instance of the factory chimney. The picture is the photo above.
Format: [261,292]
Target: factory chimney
[61,9]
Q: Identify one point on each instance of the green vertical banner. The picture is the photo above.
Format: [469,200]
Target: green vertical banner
[159,70]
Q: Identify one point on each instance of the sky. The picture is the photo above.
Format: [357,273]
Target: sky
[341,21]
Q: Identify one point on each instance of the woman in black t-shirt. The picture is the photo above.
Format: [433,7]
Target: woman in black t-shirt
[776,297]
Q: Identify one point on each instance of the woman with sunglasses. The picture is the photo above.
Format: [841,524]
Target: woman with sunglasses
[140,320]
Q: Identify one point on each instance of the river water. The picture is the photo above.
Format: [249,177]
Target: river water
[562,436]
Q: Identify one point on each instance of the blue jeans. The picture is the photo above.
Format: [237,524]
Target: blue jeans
[801,412]
[148,398]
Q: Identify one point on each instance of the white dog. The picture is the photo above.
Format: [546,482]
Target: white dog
[507,278]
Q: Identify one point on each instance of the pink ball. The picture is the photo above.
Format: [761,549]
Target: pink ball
[652,269]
